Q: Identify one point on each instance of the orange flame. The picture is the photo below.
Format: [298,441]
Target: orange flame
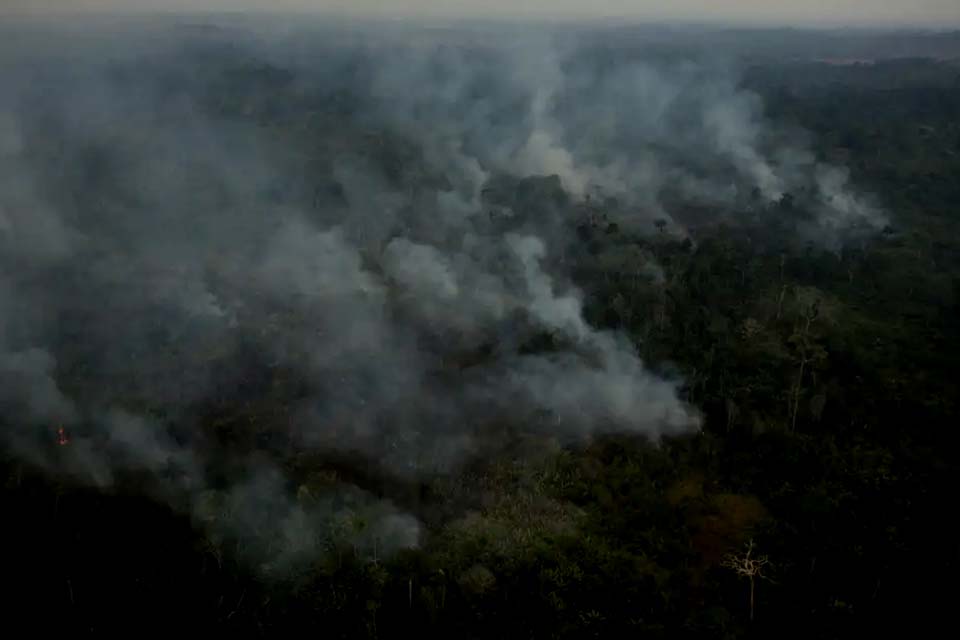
[62,438]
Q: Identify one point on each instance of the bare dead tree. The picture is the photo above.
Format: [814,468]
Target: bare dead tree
[780,297]
[808,352]
[748,566]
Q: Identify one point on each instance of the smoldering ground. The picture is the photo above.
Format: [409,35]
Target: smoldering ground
[222,250]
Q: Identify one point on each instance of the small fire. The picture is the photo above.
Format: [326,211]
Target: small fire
[62,438]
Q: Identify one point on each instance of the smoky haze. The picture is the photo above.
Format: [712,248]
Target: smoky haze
[358,241]
[931,13]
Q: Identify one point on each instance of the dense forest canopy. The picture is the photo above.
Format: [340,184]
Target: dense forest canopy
[494,332]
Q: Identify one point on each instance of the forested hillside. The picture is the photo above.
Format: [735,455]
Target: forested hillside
[429,340]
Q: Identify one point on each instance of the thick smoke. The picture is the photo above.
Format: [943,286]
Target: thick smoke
[337,245]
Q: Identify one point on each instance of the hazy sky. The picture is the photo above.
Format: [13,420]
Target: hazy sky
[940,13]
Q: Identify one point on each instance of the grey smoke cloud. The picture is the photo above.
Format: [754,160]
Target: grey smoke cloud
[360,236]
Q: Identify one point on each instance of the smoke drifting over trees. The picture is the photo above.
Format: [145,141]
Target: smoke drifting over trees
[371,230]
